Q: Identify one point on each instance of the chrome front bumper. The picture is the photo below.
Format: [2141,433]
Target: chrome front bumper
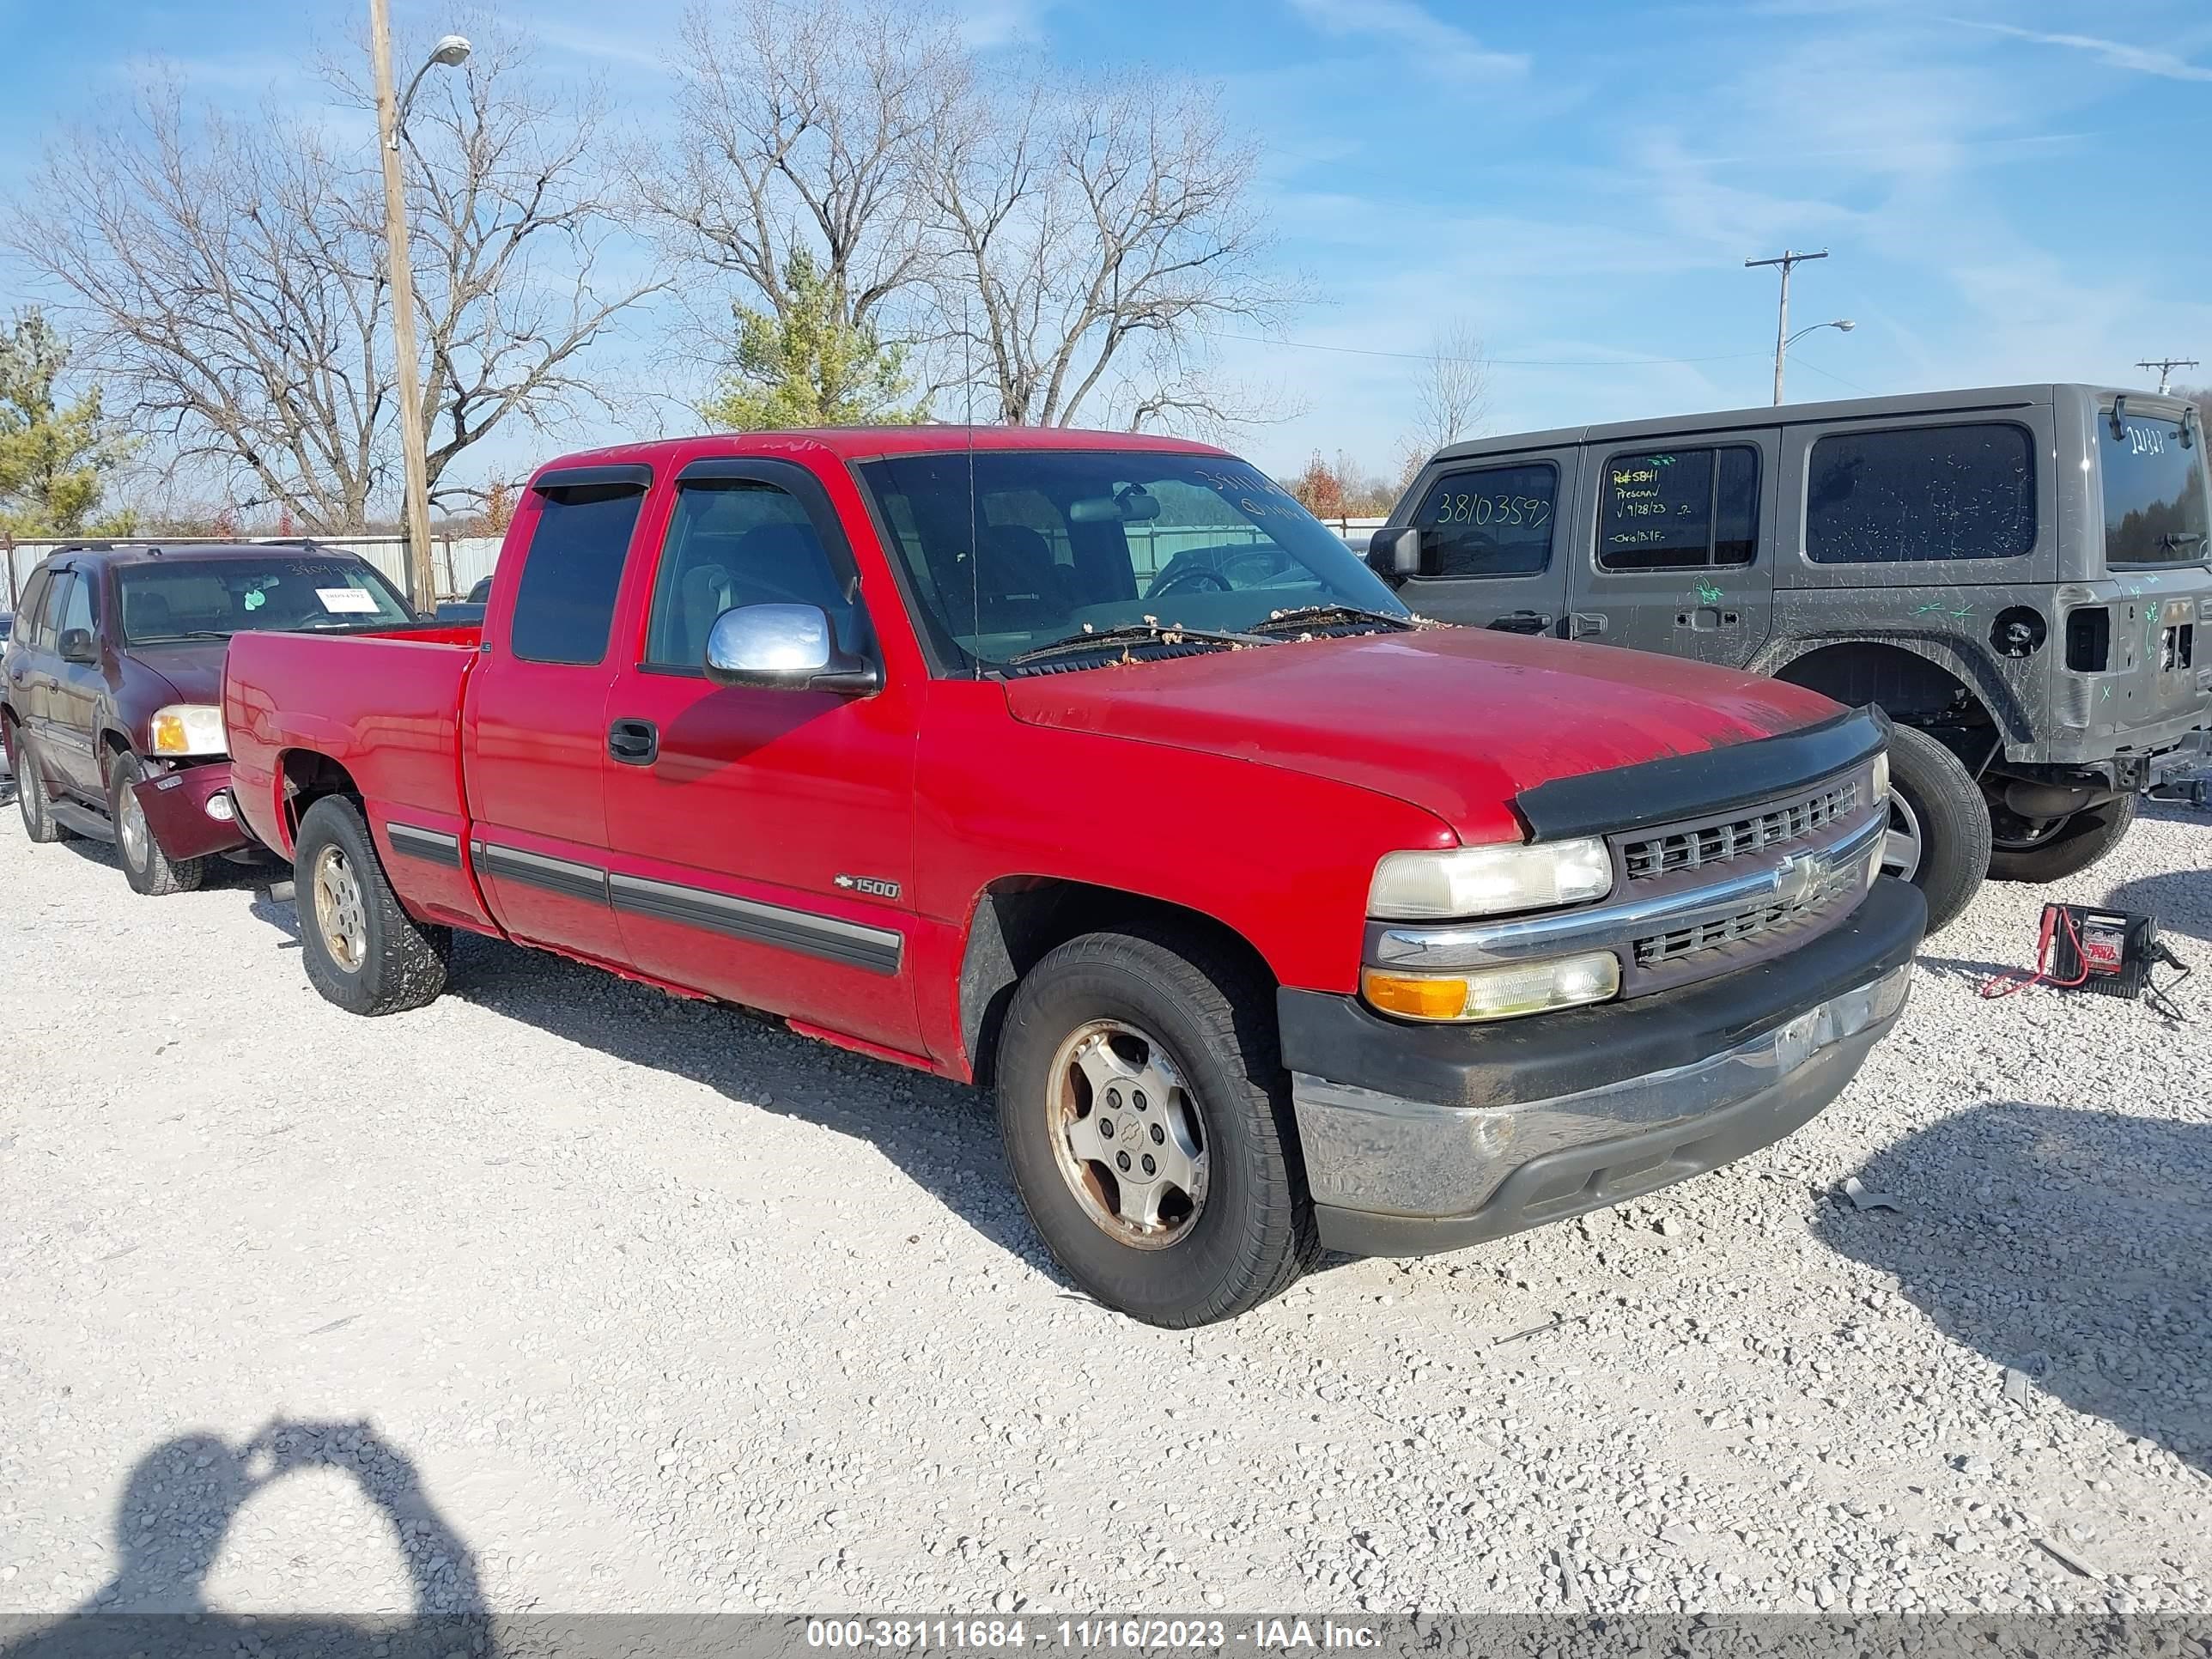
[1394,1176]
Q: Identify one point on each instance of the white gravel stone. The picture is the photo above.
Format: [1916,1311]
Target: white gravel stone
[630,1302]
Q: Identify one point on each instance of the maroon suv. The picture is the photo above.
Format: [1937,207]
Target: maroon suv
[111,690]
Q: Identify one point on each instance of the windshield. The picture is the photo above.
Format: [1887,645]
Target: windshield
[200,599]
[1064,539]
[2154,493]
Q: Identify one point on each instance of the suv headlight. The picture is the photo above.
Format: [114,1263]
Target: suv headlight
[1882,777]
[1487,881]
[186,729]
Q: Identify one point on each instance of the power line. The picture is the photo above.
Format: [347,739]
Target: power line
[1507,362]
[1805,362]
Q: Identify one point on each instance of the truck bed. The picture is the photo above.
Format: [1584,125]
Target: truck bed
[387,707]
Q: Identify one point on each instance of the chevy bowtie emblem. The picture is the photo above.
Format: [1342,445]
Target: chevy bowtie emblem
[1799,876]
[871,886]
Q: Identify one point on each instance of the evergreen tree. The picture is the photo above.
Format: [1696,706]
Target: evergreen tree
[53,459]
[810,366]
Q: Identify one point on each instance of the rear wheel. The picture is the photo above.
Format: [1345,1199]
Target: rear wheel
[1147,1119]
[2065,847]
[145,865]
[32,799]
[1939,825]
[362,949]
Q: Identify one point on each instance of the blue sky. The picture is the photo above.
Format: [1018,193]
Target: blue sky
[2009,191]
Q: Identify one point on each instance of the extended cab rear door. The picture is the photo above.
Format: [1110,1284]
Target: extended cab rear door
[534,725]
[761,840]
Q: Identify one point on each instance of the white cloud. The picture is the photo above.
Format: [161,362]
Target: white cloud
[2141,60]
[1435,46]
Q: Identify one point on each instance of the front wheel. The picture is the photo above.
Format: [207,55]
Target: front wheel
[2066,847]
[145,865]
[363,951]
[1939,825]
[1147,1120]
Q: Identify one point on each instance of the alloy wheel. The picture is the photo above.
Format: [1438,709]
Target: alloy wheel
[1127,1135]
[340,915]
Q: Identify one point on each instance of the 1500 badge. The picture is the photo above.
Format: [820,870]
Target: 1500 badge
[870,885]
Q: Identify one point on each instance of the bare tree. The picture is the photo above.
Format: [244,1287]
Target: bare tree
[226,287]
[799,134]
[1451,390]
[510,223]
[228,276]
[1098,236]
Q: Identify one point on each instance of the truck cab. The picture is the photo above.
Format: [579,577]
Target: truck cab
[2016,575]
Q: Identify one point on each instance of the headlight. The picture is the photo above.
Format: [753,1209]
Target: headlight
[1485,881]
[188,728]
[1882,777]
[1526,988]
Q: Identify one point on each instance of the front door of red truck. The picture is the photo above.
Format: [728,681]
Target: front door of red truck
[535,727]
[759,840]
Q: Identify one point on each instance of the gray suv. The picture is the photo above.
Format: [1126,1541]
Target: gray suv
[2017,574]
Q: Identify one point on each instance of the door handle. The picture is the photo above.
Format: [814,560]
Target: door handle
[1523,622]
[633,743]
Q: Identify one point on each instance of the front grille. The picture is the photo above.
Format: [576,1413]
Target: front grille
[1696,846]
[1658,950]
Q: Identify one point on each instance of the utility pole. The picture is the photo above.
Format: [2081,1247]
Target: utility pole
[2166,366]
[400,268]
[1786,259]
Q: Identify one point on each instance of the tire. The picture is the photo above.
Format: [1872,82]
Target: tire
[32,799]
[2078,841]
[1202,1024]
[1933,797]
[363,952]
[145,865]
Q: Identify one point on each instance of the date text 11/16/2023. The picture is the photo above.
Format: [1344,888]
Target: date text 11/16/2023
[1260,1634]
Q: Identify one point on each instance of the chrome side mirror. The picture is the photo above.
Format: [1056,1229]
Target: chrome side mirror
[786,646]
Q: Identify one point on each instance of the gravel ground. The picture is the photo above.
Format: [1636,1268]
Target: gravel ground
[563,1294]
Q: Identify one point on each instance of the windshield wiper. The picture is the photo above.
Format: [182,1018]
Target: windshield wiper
[1307,614]
[183,634]
[1143,632]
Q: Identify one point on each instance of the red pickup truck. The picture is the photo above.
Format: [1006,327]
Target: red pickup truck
[1091,767]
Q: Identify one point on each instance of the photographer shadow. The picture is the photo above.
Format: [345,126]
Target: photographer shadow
[2099,1292]
[178,1507]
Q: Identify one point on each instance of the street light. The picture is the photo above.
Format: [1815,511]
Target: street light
[1842,325]
[451,52]
[399,267]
